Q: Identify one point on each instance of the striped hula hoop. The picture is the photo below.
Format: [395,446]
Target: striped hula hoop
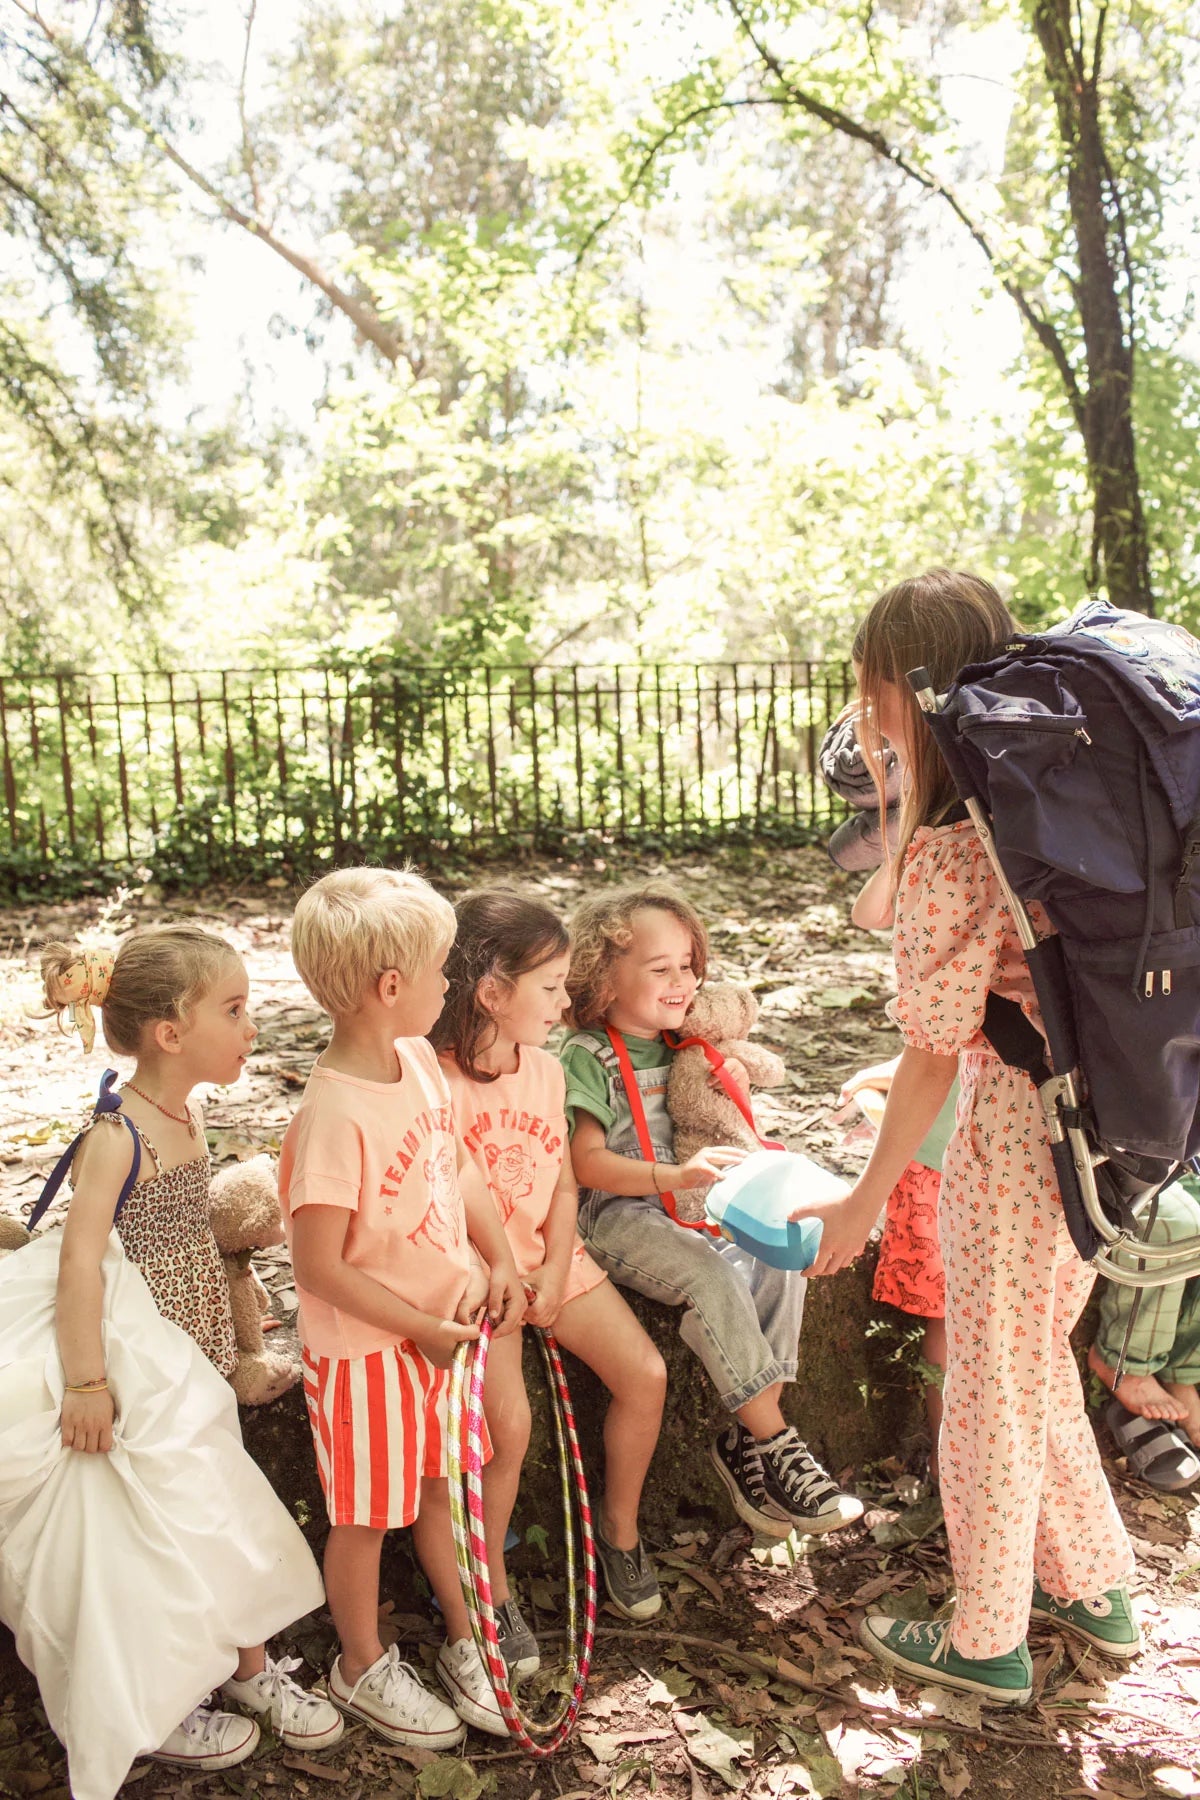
[465,1470]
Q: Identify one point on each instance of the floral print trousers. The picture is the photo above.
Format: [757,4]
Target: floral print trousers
[1022,1483]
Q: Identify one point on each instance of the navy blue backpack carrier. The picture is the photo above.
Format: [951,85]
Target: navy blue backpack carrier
[1077,754]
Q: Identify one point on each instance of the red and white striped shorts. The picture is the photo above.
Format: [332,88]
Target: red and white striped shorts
[379,1428]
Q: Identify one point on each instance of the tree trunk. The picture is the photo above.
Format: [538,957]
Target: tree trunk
[1119,546]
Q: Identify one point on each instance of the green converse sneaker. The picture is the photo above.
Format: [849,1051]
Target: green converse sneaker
[922,1649]
[1106,1623]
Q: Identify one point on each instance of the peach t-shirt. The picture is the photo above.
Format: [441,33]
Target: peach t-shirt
[385,1151]
[515,1131]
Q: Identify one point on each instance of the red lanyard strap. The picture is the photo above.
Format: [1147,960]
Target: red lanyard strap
[636,1106]
[717,1063]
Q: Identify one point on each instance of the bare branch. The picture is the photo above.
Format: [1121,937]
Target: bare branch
[1098,45]
[651,155]
[362,316]
[842,122]
[248,162]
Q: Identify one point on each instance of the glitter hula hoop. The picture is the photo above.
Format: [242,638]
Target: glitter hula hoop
[465,1470]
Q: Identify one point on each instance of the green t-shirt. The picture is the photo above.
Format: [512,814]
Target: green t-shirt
[932,1153]
[588,1080]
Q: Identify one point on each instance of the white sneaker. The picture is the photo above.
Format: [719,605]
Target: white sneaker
[462,1674]
[208,1740]
[301,1720]
[393,1702]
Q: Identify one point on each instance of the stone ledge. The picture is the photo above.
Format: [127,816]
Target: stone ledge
[851,1403]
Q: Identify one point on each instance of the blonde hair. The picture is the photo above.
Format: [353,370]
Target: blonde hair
[602,930]
[941,620]
[159,973]
[354,924]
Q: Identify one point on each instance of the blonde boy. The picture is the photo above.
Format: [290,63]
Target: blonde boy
[381,1229]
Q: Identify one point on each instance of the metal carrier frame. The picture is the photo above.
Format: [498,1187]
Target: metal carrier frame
[1076,1157]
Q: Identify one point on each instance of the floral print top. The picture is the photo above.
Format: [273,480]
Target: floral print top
[955,941]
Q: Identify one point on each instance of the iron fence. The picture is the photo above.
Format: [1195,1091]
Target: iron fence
[220,771]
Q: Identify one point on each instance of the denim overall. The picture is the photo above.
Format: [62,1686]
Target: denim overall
[741,1317]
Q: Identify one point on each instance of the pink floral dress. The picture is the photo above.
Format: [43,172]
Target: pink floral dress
[1022,1483]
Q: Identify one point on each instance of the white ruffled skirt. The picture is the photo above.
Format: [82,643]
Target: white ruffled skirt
[130,1580]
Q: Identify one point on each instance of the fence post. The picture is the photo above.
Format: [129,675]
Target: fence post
[687,746]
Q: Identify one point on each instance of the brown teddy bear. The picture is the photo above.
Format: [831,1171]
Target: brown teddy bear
[722,1013]
[244,1213]
[13,1235]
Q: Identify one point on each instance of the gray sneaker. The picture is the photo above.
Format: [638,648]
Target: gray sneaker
[630,1579]
[518,1646]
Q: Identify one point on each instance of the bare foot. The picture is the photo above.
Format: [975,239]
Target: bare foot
[1144,1394]
[1185,1393]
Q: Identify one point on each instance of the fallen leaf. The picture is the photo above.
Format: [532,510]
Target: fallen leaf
[790,1672]
[709,1745]
[945,1703]
[830,1667]
[673,1685]
[603,1706]
[701,1577]
[912,1603]
[819,1771]
[449,1778]
[412,1754]
[604,1746]
[954,1777]
[305,1766]
[871,1590]
[913,1524]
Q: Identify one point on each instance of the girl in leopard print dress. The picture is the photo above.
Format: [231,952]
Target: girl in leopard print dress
[175,998]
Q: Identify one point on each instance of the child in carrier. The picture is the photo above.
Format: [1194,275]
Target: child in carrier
[1153,1336]
[507,972]
[1032,1525]
[122,1443]
[638,957]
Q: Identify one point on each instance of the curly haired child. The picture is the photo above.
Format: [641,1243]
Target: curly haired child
[638,956]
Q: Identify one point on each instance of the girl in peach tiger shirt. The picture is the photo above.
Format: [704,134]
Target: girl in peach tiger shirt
[507,991]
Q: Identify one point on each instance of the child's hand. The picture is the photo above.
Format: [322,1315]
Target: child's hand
[506,1299]
[845,1226]
[87,1421]
[737,1074]
[441,1337]
[878,1076]
[471,1304]
[545,1289]
[707,1166]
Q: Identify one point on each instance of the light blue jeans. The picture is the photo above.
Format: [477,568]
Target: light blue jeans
[741,1317]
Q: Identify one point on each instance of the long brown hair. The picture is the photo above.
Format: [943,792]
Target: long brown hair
[941,620]
[502,933]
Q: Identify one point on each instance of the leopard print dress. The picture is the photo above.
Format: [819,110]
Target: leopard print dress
[165,1230]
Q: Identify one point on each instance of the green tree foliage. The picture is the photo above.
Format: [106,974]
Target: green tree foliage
[83,327]
[1072,233]
[618,309]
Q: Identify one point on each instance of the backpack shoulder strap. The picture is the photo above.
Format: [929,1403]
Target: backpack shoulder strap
[106,1102]
[583,1040]
[638,1110]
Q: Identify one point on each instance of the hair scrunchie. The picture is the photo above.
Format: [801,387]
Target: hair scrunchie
[82,985]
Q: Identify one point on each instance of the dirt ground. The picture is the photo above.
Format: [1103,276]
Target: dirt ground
[751,1679]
